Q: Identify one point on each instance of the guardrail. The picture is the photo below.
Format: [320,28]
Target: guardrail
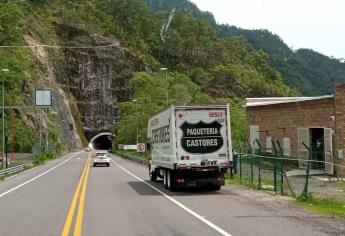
[137,160]
[12,170]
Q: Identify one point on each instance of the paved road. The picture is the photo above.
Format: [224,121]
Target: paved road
[115,201]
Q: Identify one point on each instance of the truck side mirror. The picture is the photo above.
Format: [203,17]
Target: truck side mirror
[148,146]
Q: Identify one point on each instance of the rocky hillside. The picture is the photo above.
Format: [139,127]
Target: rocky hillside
[88,51]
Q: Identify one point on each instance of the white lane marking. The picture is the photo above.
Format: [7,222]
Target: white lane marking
[38,176]
[196,215]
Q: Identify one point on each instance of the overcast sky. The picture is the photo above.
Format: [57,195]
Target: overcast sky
[315,24]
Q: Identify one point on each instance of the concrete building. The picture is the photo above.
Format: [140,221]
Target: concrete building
[319,122]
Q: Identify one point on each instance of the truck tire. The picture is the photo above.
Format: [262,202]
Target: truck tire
[165,179]
[153,174]
[215,188]
[171,181]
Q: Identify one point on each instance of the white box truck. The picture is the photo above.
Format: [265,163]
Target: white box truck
[190,146]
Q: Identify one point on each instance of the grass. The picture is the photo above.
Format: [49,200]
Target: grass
[320,204]
[237,181]
[323,205]
[341,185]
[142,155]
[42,157]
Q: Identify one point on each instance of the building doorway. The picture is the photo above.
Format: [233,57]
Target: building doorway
[317,145]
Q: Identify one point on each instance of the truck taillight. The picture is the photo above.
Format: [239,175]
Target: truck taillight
[180,181]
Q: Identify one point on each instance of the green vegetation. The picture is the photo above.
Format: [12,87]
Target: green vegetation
[134,153]
[319,204]
[238,181]
[206,65]
[44,156]
[24,137]
[306,70]
[323,205]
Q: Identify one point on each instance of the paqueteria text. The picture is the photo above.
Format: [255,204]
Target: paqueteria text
[201,137]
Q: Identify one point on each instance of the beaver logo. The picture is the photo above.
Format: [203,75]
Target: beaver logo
[201,137]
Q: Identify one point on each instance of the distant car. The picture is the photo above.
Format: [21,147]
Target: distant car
[101,159]
[87,149]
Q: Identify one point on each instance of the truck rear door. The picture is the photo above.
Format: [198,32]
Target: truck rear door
[202,136]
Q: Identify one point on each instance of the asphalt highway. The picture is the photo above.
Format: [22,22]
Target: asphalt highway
[69,197]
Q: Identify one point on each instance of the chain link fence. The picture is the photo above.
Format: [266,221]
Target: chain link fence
[271,170]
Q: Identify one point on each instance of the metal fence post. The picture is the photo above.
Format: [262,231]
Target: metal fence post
[251,169]
[274,166]
[251,162]
[240,160]
[304,194]
[281,162]
[259,164]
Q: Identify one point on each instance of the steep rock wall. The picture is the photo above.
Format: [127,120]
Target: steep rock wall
[97,77]
[61,103]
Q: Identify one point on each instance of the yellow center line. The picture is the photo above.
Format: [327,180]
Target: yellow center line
[67,226]
[80,214]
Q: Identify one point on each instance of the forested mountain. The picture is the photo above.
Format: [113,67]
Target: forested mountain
[102,55]
[308,71]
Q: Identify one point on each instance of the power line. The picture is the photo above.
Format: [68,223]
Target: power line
[11,2]
[60,46]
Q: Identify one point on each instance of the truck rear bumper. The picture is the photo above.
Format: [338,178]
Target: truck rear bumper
[203,183]
[200,180]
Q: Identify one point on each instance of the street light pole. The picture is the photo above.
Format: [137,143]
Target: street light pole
[3,126]
[136,108]
[166,84]
[4,159]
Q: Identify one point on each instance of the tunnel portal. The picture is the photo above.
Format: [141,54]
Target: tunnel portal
[102,141]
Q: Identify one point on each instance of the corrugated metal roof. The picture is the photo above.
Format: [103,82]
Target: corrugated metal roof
[253,102]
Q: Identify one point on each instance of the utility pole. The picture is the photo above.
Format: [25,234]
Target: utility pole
[137,111]
[47,133]
[4,159]
[335,132]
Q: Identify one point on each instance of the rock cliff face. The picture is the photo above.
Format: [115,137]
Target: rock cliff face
[97,77]
[61,103]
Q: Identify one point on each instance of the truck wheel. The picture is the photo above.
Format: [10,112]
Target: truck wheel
[215,188]
[165,179]
[153,174]
[171,181]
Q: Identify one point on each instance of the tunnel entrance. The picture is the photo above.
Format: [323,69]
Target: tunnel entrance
[102,141]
